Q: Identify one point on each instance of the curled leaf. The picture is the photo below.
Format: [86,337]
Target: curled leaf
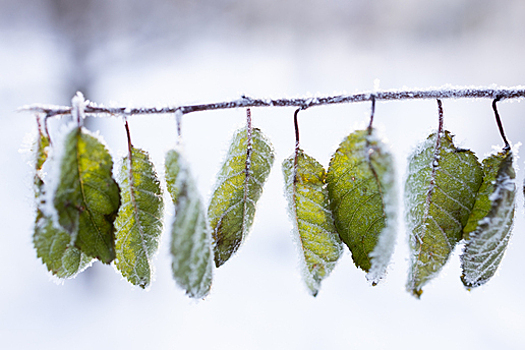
[87,198]
[311,217]
[440,191]
[191,241]
[139,220]
[362,197]
[489,226]
[52,244]
[239,186]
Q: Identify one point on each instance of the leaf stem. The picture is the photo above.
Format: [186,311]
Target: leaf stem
[373,110]
[440,118]
[130,145]
[297,146]
[47,130]
[500,125]
[296,126]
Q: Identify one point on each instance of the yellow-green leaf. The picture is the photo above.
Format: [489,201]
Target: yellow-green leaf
[312,220]
[139,220]
[87,198]
[362,197]
[191,241]
[440,191]
[239,186]
[489,227]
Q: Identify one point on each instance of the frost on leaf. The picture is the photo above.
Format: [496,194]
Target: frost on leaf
[239,186]
[139,221]
[191,241]
[311,217]
[52,244]
[87,198]
[489,227]
[440,191]
[362,197]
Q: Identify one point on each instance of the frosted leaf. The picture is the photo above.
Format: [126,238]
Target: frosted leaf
[239,186]
[191,241]
[313,225]
[52,244]
[440,191]
[87,198]
[489,227]
[139,220]
[362,197]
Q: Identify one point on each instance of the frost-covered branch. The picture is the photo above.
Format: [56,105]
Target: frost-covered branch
[447,92]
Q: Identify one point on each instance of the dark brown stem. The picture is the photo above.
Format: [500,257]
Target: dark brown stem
[129,137]
[500,125]
[440,118]
[373,99]
[296,126]
[297,146]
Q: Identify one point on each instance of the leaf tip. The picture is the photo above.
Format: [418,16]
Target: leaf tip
[417,293]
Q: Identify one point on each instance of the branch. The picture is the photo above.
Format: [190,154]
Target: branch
[446,92]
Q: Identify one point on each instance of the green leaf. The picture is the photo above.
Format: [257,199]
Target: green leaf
[440,191]
[361,188]
[87,198]
[311,217]
[52,244]
[488,230]
[191,241]
[139,220]
[239,186]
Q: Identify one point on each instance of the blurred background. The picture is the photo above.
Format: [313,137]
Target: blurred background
[168,52]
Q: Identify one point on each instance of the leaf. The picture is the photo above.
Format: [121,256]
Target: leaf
[489,226]
[440,191]
[361,188]
[87,198]
[139,221]
[52,244]
[239,186]
[311,217]
[191,241]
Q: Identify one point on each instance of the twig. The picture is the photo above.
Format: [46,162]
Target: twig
[246,102]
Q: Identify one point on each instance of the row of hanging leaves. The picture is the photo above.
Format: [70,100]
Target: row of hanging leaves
[449,197]
[85,214]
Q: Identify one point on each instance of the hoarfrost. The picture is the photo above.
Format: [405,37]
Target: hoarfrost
[382,253]
[486,246]
[191,239]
